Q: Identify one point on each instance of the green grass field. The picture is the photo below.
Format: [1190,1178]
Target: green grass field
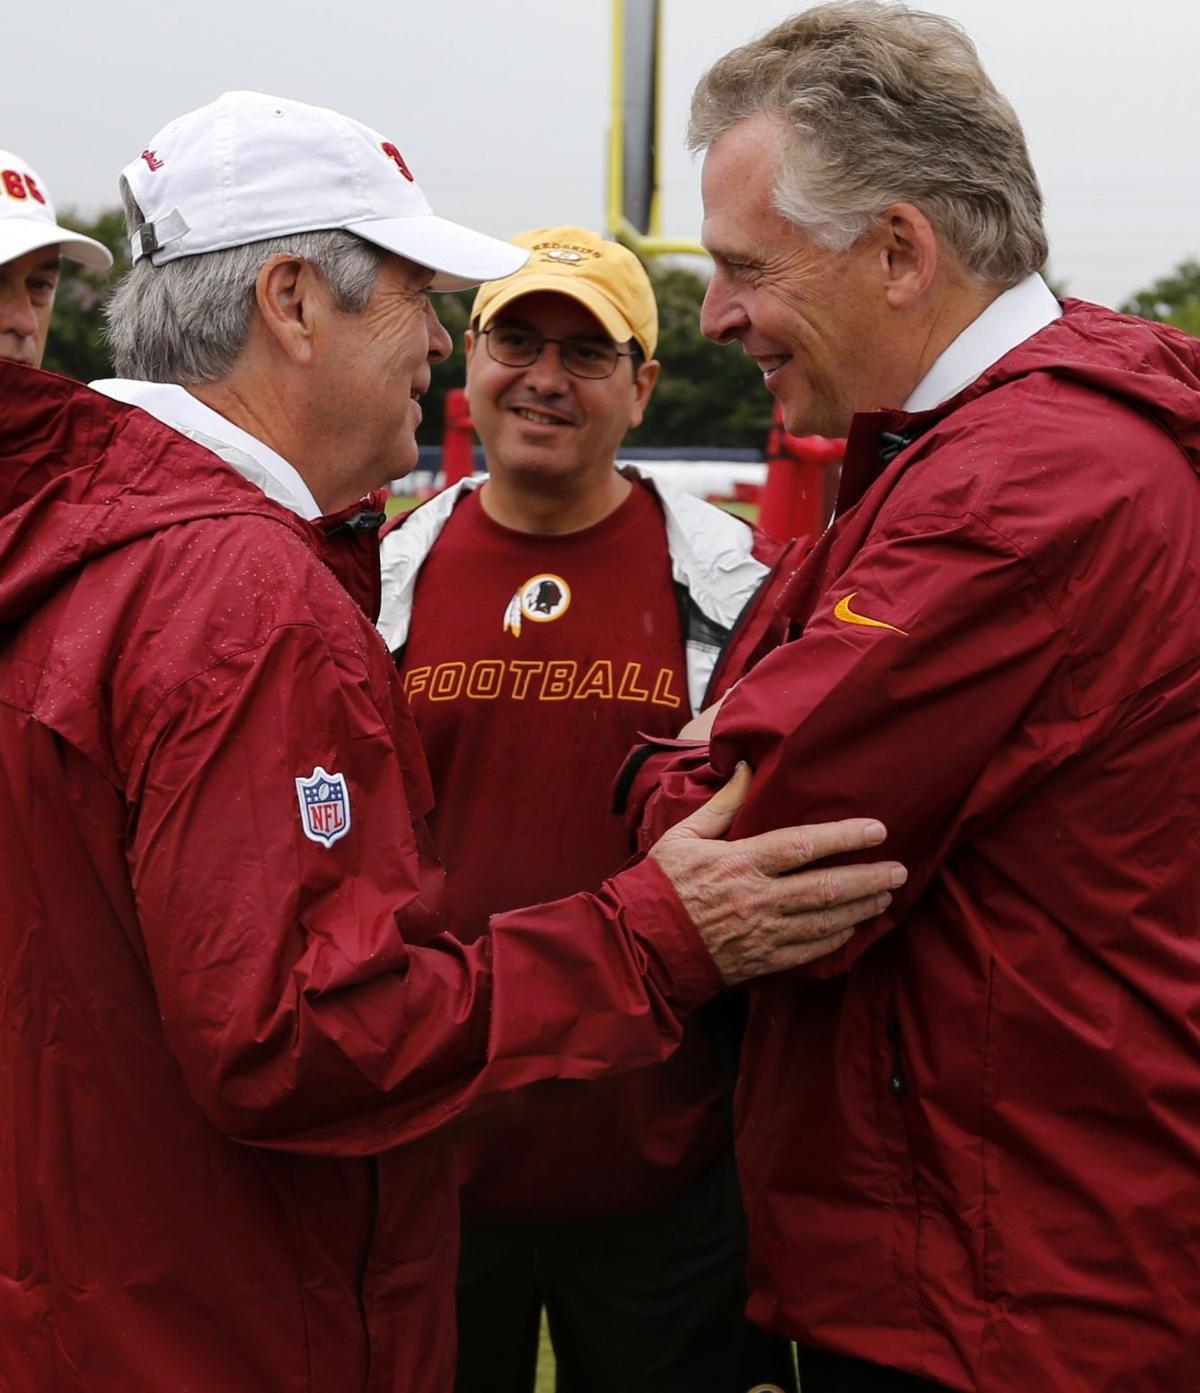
[399,503]
[545,1369]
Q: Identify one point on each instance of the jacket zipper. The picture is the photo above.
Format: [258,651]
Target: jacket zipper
[372,1222]
[368,520]
[896,1082]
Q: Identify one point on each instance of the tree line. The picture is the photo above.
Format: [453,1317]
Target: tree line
[707,395]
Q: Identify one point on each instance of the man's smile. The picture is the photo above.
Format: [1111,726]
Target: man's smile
[540,417]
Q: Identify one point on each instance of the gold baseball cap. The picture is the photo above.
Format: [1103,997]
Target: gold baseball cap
[604,277]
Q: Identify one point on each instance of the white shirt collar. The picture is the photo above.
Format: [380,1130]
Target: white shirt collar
[254,461]
[1009,320]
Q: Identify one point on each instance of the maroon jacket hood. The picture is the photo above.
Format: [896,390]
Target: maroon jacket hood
[55,442]
[56,439]
[1153,368]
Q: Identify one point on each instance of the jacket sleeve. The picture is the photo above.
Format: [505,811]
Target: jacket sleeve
[761,628]
[929,689]
[303,986]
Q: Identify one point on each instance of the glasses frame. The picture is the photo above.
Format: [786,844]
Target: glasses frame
[545,339]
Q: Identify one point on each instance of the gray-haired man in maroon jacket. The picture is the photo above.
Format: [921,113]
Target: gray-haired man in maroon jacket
[970,1141]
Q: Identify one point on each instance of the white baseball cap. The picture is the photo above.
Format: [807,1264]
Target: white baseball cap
[27,219]
[248,167]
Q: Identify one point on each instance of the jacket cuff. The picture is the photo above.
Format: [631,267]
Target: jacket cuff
[658,918]
[638,778]
[632,787]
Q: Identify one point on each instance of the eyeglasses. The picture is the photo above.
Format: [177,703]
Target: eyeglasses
[515,346]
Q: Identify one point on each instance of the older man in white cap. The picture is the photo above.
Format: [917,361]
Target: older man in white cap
[32,245]
[232,1035]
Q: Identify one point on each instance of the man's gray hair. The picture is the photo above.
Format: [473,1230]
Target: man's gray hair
[188,320]
[880,104]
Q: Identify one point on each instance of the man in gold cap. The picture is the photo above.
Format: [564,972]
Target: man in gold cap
[542,618]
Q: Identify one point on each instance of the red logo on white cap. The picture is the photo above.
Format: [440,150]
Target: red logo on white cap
[18,184]
[397,159]
[152,159]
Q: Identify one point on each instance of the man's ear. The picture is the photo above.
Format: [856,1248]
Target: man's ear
[908,255]
[643,388]
[290,296]
[469,339]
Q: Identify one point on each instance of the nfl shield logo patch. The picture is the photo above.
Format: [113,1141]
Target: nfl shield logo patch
[324,806]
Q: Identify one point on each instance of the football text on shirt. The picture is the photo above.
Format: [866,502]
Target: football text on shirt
[557,679]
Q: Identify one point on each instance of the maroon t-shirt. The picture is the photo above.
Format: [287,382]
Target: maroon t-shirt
[532,664]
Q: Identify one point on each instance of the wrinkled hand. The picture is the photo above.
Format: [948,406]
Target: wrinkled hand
[755,907]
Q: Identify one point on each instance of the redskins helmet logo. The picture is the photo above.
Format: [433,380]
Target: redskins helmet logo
[541,599]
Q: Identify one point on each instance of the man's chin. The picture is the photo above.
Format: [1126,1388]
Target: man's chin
[799,417]
[811,417]
[404,461]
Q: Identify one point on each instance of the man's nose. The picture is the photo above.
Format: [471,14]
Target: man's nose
[17,313]
[546,373]
[440,342]
[720,314]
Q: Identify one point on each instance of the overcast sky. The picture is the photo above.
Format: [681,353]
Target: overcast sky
[501,109]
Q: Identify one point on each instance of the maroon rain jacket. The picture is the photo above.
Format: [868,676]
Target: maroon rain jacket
[210,1022]
[970,1142]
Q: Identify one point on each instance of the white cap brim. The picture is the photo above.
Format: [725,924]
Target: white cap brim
[462,258]
[20,236]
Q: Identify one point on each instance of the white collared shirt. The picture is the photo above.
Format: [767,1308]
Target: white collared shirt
[1009,320]
[255,462]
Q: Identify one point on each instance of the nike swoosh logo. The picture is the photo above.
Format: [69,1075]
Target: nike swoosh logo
[847,616]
